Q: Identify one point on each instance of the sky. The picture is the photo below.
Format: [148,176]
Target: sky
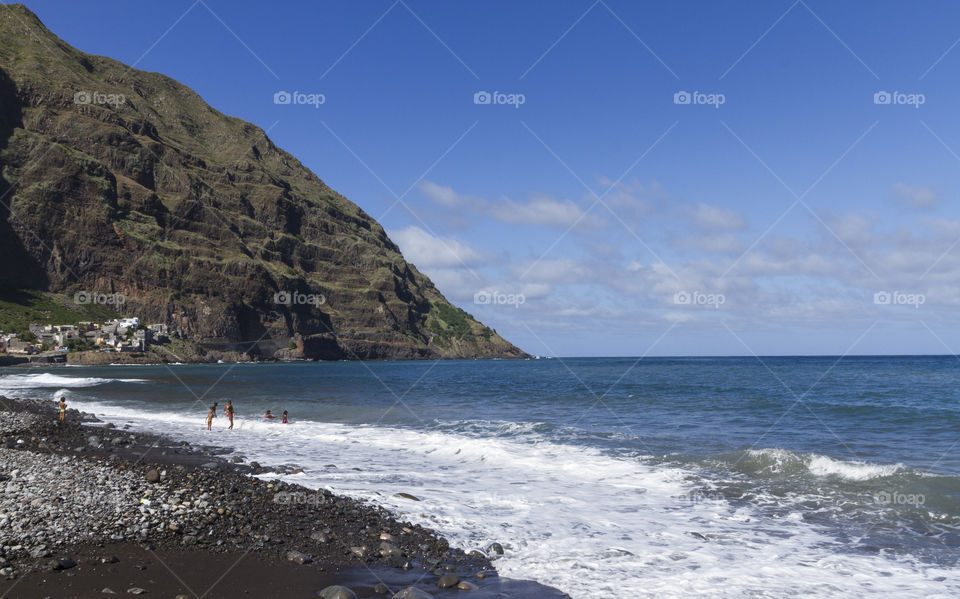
[608,177]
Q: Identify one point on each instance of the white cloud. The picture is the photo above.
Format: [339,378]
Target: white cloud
[917,197]
[441,194]
[427,251]
[716,218]
[543,210]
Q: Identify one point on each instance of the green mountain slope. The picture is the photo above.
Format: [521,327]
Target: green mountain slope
[196,218]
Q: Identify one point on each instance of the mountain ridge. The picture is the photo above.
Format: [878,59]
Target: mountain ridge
[116,180]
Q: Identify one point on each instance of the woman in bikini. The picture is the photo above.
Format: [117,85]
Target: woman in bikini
[63,408]
[228,410]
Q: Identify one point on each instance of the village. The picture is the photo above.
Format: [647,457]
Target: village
[118,335]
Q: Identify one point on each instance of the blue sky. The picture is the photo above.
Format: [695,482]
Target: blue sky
[600,202]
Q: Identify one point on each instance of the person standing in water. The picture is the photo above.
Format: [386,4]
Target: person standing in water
[211,415]
[284,421]
[228,410]
[63,408]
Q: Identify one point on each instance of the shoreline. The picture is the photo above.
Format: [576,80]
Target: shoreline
[81,508]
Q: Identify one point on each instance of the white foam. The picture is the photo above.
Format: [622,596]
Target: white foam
[42,380]
[569,516]
[823,466]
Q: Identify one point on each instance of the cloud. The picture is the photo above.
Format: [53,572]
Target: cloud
[427,251]
[441,194]
[716,218]
[542,210]
[915,197]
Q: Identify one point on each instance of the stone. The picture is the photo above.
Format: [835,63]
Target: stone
[108,591]
[153,476]
[448,581]
[65,563]
[412,593]
[390,550]
[136,591]
[93,440]
[463,585]
[336,592]
[407,496]
[298,557]
[319,536]
[109,425]
[381,589]
[495,548]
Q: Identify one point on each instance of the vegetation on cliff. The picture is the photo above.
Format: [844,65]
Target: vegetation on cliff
[115,180]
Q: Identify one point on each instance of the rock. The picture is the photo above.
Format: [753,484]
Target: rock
[109,425]
[182,597]
[412,593]
[40,551]
[390,550]
[407,496]
[153,476]
[210,466]
[64,564]
[298,558]
[236,459]
[381,589]
[189,540]
[255,465]
[448,581]
[93,440]
[319,536]
[337,592]
[463,585]
[136,591]
[495,548]
[108,591]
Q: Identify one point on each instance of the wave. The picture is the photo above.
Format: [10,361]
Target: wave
[42,380]
[774,463]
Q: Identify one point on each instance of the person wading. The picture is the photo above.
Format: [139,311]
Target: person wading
[211,415]
[228,410]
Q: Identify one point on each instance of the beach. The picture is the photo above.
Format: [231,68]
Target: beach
[86,506]
[692,476]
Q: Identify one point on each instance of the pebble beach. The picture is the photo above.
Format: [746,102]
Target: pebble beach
[90,510]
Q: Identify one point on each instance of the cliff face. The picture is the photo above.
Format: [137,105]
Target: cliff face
[115,180]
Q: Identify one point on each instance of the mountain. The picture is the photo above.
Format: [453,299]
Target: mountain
[119,181]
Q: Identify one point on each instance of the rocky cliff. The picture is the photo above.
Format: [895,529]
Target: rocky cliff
[115,180]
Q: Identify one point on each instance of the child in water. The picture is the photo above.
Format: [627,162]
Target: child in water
[268,415]
[284,421]
[63,408]
[211,415]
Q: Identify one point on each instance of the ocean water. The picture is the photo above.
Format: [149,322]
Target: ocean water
[723,477]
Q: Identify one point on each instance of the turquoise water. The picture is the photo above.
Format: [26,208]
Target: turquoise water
[719,476]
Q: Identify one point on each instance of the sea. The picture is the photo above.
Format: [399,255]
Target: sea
[604,477]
